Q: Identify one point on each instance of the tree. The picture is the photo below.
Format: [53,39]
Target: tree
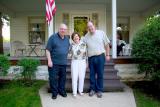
[146,46]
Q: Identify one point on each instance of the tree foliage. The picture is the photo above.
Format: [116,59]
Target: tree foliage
[146,46]
[29,69]
[80,26]
[4,65]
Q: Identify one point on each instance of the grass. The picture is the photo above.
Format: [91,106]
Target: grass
[15,95]
[144,100]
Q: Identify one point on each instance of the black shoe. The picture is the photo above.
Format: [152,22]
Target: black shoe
[91,93]
[54,96]
[64,94]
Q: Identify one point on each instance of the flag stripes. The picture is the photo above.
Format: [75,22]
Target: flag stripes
[50,10]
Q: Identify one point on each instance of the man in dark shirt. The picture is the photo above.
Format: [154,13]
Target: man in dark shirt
[57,50]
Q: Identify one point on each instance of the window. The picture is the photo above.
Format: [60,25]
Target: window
[36,29]
[123,22]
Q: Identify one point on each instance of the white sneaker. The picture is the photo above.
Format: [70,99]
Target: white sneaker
[74,95]
[81,94]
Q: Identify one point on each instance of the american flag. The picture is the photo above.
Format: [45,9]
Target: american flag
[50,10]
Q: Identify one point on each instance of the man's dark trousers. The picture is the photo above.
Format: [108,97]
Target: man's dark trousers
[57,79]
[96,66]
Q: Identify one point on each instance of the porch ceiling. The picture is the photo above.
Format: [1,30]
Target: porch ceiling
[39,5]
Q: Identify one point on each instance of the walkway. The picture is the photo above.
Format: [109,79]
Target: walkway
[110,99]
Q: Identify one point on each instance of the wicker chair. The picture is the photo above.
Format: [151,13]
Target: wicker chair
[43,50]
[19,48]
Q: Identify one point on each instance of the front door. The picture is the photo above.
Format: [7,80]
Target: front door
[79,24]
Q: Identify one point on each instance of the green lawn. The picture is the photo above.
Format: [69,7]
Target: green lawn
[14,95]
[144,100]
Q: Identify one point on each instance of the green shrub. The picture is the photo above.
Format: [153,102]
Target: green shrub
[146,46]
[4,65]
[29,68]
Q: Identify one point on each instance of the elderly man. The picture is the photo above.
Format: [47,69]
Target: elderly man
[57,50]
[98,49]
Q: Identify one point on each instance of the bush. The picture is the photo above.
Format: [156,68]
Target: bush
[29,68]
[4,65]
[146,46]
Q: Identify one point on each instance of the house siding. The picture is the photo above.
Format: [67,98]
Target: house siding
[19,22]
[19,30]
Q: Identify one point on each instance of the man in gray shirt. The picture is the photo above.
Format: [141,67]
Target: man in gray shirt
[98,50]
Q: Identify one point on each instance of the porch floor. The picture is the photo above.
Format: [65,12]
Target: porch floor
[43,59]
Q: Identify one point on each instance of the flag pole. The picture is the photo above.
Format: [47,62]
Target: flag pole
[50,28]
[50,12]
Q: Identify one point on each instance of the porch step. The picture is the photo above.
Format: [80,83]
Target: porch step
[106,65]
[106,76]
[109,85]
[111,80]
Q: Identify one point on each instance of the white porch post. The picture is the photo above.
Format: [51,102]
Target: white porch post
[114,24]
[51,27]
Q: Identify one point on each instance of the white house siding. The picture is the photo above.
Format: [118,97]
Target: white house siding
[19,26]
[19,21]
[152,10]
[81,9]
[135,22]
[19,29]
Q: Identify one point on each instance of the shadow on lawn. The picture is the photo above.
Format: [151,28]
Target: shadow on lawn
[151,88]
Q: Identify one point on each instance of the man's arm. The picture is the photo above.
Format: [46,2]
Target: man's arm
[48,54]
[107,52]
[107,46]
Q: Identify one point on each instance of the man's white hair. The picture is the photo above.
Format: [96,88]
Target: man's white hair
[62,25]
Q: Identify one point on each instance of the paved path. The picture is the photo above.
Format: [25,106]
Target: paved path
[110,99]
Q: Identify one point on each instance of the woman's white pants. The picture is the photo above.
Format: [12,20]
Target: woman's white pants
[78,70]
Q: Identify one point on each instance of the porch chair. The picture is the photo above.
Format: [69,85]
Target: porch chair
[18,47]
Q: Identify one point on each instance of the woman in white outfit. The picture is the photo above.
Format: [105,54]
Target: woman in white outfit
[78,64]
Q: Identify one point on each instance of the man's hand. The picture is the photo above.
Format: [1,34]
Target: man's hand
[50,64]
[108,58]
[107,53]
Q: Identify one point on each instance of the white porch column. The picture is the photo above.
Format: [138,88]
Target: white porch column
[114,24]
[51,27]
